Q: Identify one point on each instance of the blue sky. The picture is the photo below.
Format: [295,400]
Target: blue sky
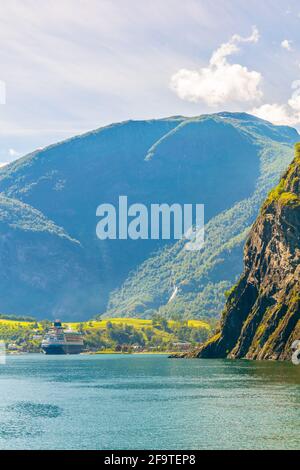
[75,65]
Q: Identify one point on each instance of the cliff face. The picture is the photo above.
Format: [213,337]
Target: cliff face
[262,314]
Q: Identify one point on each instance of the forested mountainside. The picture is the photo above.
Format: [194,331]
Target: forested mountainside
[196,281]
[261,319]
[51,260]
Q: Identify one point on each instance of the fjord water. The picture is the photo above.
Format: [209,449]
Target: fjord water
[147,402]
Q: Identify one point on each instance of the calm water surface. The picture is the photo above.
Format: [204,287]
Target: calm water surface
[147,402]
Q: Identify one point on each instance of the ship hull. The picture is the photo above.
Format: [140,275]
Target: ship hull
[62,349]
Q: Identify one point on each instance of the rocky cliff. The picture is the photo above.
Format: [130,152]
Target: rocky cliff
[262,314]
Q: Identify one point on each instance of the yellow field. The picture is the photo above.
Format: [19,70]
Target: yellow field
[101,324]
[15,324]
[138,323]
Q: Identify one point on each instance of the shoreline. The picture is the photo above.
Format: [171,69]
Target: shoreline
[96,353]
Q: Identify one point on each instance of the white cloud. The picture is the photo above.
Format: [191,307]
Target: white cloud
[275,113]
[294,101]
[220,82]
[284,114]
[286,44]
[13,153]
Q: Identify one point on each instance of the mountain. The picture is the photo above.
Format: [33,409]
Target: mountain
[51,261]
[262,315]
[196,281]
[36,257]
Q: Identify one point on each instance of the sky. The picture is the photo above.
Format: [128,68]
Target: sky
[71,66]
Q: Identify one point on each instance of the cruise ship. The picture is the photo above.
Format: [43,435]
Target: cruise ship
[60,341]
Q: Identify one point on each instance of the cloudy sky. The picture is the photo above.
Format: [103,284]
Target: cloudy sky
[69,66]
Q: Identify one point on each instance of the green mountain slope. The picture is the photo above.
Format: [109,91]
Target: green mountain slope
[200,279]
[226,161]
[41,267]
